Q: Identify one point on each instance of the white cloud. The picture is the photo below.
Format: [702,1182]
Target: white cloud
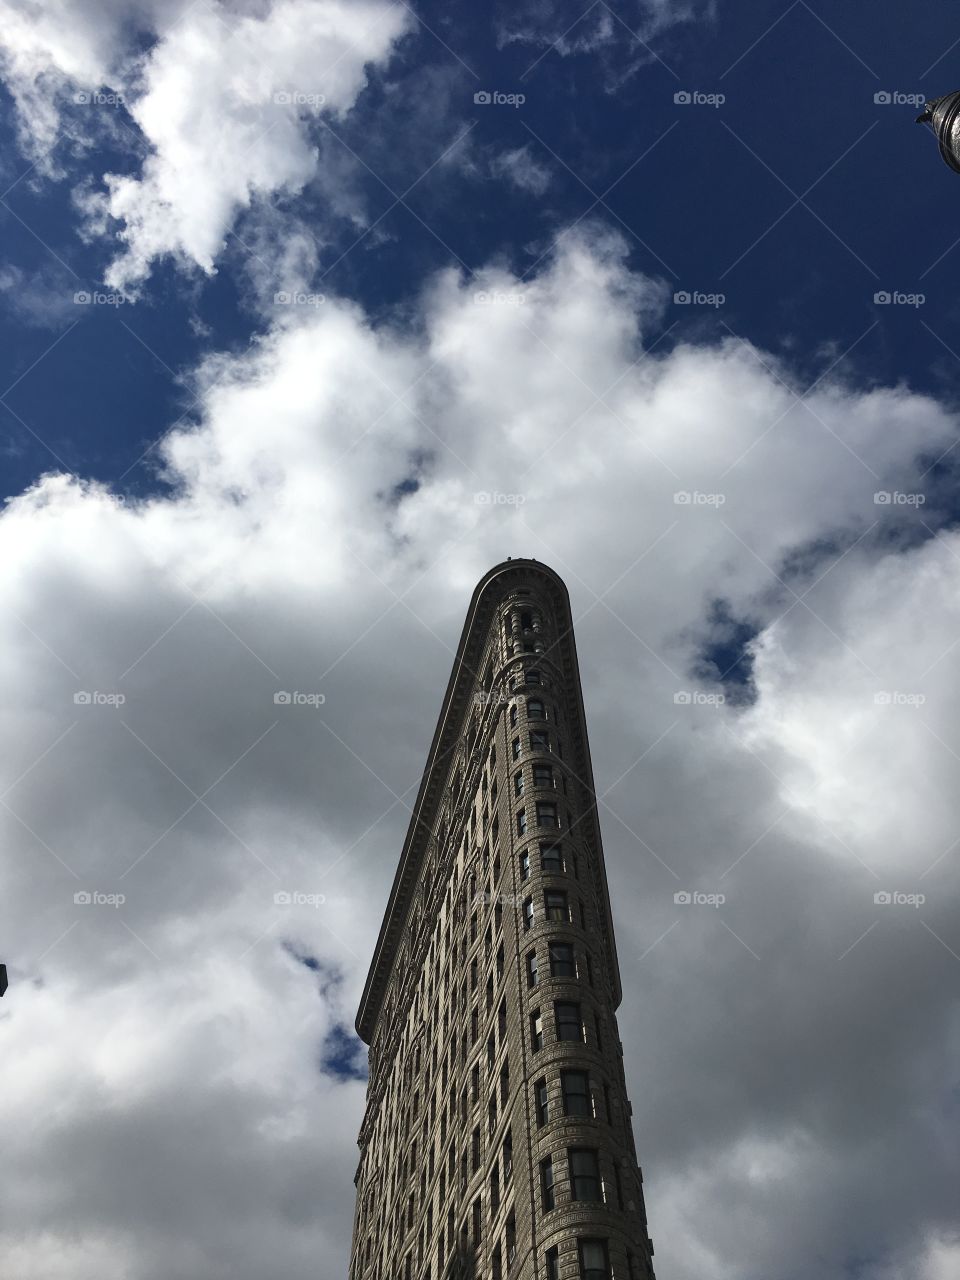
[226,99]
[522,169]
[192,1130]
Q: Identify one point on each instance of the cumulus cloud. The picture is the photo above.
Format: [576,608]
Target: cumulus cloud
[226,99]
[789,1052]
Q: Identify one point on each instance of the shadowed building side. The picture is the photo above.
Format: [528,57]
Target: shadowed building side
[497,1140]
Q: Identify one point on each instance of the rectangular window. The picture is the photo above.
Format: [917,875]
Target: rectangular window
[528,913]
[531,968]
[518,783]
[547,814]
[525,865]
[536,1031]
[556,906]
[507,1156]
[512,1240]
[539,741]
[516,748]
[535,709]
[551,858]
[475,1150]
[496,1264]
[541,1102]
[575,1086]
[553,1263]
[584,1174]
[504,1083]
[562,961]
[495,1188]
[594,1260]
[477,1219]
[521,821]
[570,1025]
[533,677]
[546,1184]
[543,775]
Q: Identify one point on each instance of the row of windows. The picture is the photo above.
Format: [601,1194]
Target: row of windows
[543,776]
[546,813]
[556,908]
[552,861]
[539,740]
[536,710]
[562,958]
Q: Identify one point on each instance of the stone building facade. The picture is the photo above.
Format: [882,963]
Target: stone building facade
[497,1140]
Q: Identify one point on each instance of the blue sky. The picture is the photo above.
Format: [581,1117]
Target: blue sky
[797,199]
[312,311]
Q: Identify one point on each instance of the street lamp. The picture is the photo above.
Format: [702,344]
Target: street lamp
[943,117]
